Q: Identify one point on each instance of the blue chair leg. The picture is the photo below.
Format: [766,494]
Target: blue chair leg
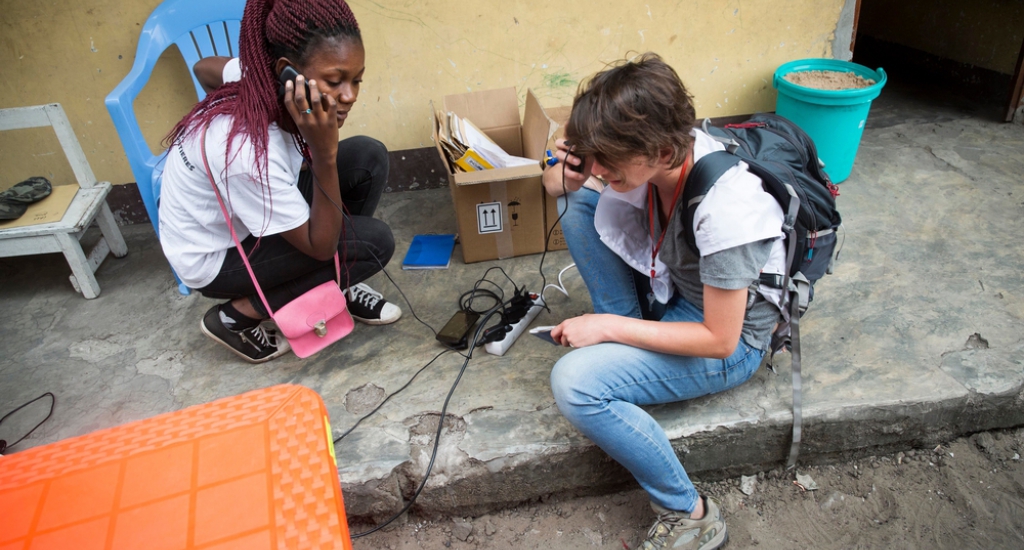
[182,289]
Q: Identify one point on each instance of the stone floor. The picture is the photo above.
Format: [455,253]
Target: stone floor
[917,337]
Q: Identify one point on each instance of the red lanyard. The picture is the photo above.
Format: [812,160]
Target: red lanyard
[651,214]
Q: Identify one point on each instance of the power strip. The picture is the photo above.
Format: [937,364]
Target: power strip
[501,346]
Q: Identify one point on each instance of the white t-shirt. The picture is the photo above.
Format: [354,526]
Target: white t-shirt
[193,232]
[232,71]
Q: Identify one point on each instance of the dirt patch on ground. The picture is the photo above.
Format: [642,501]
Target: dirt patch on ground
[829,80]
[966,494]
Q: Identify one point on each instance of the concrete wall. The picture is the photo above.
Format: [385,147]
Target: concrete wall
[983,33]
[75,51]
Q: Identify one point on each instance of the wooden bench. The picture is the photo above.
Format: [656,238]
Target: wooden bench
[89,205]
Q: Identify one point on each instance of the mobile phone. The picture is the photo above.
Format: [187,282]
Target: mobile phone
[544,333]
[455,333]
[289,73]
[578,168]
[574,167]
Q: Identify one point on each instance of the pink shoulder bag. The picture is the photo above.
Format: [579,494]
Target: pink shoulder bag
[310,322]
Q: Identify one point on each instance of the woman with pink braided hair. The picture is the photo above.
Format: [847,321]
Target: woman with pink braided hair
[295,193]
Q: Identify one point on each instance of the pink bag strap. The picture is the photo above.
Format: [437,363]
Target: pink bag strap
[231,227]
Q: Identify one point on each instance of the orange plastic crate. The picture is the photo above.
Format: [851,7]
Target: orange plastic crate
[251,472]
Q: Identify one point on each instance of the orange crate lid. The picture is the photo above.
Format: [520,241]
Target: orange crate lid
[251,472]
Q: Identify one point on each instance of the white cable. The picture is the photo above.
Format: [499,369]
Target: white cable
[560,286]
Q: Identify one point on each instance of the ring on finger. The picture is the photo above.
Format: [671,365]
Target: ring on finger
[309,111]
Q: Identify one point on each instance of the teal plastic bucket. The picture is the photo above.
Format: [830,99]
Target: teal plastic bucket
[833,118]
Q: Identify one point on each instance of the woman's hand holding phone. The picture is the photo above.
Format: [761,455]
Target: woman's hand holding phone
[569,165]
[317,121]
[316,116]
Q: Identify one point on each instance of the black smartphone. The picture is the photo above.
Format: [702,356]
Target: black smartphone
[287,74]
[455,333]
[578,168]
[574,167]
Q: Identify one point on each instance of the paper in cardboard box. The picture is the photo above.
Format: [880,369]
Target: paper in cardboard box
[484,148]
[500,212]
[468,147]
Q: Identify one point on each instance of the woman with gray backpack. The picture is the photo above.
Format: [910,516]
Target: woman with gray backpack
[671,322]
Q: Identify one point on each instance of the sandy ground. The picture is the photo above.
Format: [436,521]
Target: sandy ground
[829,80]
[968,493]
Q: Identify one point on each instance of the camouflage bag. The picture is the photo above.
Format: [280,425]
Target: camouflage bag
[14,201]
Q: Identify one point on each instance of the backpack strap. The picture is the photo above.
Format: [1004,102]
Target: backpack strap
[794,338]
[731,145]
[702,178]
[791,284]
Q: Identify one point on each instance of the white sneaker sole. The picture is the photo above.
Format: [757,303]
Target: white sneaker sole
[377,321]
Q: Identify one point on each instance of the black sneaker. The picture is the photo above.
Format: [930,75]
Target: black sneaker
[256,345]
[368,306]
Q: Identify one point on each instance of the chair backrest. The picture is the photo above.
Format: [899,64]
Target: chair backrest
[199,28]
[52,115]
[210,39]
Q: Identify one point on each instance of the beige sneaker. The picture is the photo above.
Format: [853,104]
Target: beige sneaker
[676,529]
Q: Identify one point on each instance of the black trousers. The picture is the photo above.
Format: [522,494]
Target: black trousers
[365,246]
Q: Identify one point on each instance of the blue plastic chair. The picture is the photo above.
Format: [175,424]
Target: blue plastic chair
[199,28]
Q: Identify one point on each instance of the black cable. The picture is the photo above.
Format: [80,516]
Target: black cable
[53,402]
[463,303]
[547,240]
[348,217]
[394,393]
[499,330]
[467,297]
[500,305]
[502,270]
[440,427]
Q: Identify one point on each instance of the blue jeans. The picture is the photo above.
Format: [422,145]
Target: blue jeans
[600,389]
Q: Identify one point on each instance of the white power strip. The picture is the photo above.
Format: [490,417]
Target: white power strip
[501,346]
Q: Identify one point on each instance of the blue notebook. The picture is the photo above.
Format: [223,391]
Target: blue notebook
[429,252]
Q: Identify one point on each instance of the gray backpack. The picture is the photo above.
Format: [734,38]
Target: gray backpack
[786,160]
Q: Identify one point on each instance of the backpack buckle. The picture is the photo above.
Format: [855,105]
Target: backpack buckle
[773,280]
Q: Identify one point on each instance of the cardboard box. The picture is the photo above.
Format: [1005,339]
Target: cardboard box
[559,115]
[500,212]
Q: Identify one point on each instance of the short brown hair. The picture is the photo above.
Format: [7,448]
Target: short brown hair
[636,107]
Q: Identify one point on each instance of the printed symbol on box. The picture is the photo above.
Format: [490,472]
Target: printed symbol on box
[488,217]
[513,209]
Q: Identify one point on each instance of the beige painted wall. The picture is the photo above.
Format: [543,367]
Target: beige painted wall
[76,51]
[984,33]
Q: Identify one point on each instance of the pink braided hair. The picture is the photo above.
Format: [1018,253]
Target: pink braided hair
[270,29]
